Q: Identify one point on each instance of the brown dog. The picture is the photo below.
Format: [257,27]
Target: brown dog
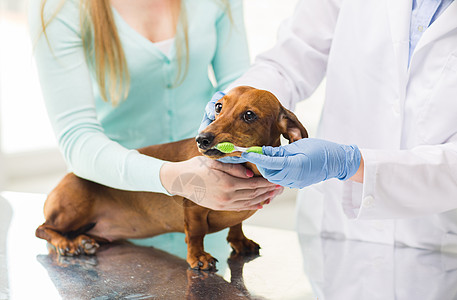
[79,213]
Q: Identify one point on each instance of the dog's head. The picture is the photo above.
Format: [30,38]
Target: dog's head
[249,117]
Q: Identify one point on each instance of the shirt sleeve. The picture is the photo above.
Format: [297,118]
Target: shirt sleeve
[295,66]
[67,89]
[231,58]
[409,183]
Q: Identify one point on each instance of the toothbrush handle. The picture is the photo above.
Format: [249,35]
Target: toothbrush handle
[255,149]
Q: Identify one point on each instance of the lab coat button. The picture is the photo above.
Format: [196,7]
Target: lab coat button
[368,202]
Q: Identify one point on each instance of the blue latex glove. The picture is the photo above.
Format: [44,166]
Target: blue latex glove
[210,113]
[306,161]
[208,117]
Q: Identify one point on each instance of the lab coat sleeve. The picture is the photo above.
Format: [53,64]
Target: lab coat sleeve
[295,66]
[231,58]
[67,89]
[409,183]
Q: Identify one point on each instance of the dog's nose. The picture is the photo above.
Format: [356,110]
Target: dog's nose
[204,140]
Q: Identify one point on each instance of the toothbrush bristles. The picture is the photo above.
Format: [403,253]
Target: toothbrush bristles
[225,147]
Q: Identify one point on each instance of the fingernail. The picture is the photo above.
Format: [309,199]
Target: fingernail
[278,186]
[267,201]
[271,194]
[249,173]
[259,206]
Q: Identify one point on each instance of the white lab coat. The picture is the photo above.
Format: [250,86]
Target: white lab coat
[353,270]
[404,119]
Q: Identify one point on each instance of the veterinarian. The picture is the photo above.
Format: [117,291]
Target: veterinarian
[119,75]
[384,166]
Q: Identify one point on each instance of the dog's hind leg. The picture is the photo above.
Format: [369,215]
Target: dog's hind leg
[64,245]
[240,243]
[68,213]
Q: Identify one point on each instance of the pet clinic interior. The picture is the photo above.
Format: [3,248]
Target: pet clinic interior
[228,149]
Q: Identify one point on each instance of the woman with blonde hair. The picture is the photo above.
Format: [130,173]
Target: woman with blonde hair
[118,75]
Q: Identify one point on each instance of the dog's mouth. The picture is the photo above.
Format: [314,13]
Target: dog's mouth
[213,152]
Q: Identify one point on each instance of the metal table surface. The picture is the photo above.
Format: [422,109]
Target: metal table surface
[290,266]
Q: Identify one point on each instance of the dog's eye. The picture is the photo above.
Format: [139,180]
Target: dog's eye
[249,116]
[218,107]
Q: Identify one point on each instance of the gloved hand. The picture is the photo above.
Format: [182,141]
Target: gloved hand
[210,113]
[208,117]
[232,160]
[306,161]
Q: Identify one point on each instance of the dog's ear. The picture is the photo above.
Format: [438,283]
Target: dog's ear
[290,127]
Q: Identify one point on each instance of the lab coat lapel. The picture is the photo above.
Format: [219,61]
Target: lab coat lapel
[446,22]
[399,13]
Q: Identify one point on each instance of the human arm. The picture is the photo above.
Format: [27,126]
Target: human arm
[231,57]
[396,183]
[408,183]
[306,162]
[295,66]
[67,90]
[68,94]
[358,176]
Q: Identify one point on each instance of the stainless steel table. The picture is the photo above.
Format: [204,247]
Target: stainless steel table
[149,269]
[290,266]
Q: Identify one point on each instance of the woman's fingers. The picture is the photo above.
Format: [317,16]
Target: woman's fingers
[239,175]
[257,202]
[251,183]
[220,186]
[236,170]
[250,194]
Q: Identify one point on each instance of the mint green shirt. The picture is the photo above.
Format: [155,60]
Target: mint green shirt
[96,138]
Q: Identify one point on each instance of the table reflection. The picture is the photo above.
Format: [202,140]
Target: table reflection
[290,266]
[342,269]
[5,219]
[127,271]
[142,269]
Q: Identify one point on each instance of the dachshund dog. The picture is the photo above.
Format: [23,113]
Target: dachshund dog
[80,214]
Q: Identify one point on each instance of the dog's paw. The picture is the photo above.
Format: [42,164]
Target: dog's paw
[86,244]
[202,261]
[245,246]
[67,248]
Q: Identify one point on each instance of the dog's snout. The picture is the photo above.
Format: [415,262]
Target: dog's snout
[204,140]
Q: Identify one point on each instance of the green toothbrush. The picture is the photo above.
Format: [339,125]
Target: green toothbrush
[227,147]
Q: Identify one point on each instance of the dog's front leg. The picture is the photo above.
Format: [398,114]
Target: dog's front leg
[195,228]
[240,243]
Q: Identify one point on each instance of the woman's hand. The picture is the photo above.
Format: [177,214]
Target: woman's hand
[216,185]
[308,161]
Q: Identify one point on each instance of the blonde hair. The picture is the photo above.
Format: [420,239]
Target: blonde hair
[101,41]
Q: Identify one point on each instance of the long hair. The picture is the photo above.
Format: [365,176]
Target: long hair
[103,48]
